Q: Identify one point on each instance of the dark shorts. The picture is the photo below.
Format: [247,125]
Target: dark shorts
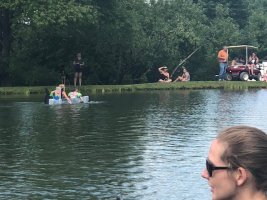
[77,69]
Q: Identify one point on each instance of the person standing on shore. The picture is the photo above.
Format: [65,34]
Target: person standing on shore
[78,67]
[222,58]
[236,166]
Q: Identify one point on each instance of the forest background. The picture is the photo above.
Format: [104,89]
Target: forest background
[122,41]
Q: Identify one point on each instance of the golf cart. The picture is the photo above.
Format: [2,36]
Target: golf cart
[240,70]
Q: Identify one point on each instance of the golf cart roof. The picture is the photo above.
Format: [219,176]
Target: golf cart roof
[246,47]
[241,46]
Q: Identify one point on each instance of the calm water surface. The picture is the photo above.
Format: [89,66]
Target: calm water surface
[142,146]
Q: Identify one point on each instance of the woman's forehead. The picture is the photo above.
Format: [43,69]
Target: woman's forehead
[217,149]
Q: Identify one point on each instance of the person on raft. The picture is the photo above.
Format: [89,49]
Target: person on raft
[75,94]
[59,92]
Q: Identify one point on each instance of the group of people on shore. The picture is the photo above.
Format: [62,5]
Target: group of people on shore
[166,78]
[253,60]
[252,63]
[60,93]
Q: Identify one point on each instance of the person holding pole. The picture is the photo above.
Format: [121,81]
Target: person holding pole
[185,76]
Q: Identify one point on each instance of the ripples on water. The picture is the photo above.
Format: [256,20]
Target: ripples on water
[144,146]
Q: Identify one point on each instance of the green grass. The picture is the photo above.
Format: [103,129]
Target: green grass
[92,89]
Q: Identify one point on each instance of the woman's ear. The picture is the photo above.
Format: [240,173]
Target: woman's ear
[241,176]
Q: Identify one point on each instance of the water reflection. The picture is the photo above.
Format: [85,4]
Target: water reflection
[144,146]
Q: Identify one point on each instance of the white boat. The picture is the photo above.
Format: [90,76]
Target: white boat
[83,99]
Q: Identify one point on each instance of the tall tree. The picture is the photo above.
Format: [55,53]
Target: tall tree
[5,43]
[26,19]
[122,41]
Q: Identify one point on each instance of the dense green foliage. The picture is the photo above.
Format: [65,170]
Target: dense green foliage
[122,41]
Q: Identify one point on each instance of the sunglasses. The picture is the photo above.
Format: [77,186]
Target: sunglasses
[210,167]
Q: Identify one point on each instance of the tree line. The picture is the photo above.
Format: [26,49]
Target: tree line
[122,41]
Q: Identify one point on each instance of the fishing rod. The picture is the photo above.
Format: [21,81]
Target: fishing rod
[183,61]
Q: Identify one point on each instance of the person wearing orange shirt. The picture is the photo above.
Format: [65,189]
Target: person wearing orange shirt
[222,58]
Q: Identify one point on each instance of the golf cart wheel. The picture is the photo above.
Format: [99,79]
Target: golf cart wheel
[244,76]
[259,77]
[228,77]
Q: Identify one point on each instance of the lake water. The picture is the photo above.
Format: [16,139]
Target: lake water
[142,146]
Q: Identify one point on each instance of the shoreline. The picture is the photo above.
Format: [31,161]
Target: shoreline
[101,89]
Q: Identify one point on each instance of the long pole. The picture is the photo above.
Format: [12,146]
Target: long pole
[183,61]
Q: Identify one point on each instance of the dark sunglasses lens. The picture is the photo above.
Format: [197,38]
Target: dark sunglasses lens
[209,168]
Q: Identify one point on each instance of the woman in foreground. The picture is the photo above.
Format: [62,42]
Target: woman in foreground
[236,167]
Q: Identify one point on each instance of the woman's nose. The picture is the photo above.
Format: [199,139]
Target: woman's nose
[204,174]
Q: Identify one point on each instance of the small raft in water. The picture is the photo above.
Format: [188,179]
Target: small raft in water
[83,99]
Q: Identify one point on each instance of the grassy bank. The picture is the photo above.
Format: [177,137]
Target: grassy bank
[92,89]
